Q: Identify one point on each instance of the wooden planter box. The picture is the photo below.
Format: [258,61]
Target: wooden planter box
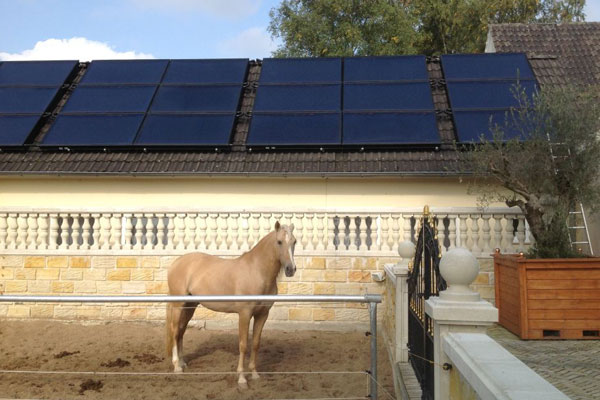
[548,298]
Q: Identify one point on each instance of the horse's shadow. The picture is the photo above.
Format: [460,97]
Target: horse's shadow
[271,354]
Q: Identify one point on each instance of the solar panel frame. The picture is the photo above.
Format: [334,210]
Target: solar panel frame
[26,100]
[487,94]
[36,73]
[295,97]
[301,129]
[93,125]
[385,69]
[387,96]
[140,72]
[470,124]
[108,99]
[301,70]
[390,129]
[220,125]
[197,98]
[198,72]
[486,66]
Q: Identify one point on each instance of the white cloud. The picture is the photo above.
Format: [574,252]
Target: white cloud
[77,48]
[252,43]
[230,9]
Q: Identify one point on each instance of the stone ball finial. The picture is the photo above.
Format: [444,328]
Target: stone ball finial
[459,268]
[406,250]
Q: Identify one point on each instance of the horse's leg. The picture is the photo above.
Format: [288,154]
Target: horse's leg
[187,312]
[175,316]
[259,323]
[244,325]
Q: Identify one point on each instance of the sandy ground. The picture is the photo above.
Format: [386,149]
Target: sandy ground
[139,347]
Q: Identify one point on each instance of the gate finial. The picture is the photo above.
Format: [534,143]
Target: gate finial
[426,211]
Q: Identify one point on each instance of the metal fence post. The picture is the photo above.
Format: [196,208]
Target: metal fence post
[373,381]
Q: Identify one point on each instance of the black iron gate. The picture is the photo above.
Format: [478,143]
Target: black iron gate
[424,281]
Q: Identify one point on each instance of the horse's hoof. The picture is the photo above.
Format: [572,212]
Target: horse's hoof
[255,375]
[243,384]
[178,370]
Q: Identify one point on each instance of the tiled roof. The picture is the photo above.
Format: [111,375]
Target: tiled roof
[559,53]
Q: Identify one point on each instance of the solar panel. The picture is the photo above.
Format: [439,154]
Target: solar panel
[490,94]
[14,100]
[486,66]
[93,130]
[400,68]
[390,128]
[202,130]
[298,98]
[125,71]
[388,96]
[35,73]
[301,70]
[223,98]
[14,129]
[284,129]
[470,125]
[110,99]
[206,71]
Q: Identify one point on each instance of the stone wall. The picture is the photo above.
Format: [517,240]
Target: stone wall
[146,275]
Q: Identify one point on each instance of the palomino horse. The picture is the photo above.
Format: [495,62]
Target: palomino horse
[253,273]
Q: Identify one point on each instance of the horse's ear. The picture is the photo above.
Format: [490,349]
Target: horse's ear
[292,228]
[277,226]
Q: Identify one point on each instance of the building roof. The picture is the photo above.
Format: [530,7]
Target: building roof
[559,53]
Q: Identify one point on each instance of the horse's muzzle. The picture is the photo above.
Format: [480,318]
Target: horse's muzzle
[290,270]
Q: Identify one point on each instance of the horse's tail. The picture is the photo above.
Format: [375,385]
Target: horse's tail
[169,341]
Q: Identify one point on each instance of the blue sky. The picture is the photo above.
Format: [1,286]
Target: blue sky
[92,29]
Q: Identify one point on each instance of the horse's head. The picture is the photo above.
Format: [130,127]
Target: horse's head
[285,243]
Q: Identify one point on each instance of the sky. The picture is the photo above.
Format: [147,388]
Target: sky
[111,29]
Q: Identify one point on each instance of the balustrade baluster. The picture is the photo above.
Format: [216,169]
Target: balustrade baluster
[254,225]
[75,232]
[464,237]
[179,231]
[170,231]
[43,229]
[149,237]
[310,231]
[441,233]
[160,231]
[521,234]
[497,236]
[361,230]
[234,227]
[385,239]
[12,230]
[487,249]
[190,230]
[508,234]
[200,237]
[212,229]
[451,231]
[353,236]
[475,234]
[329,220]
[86,231]
[104,238]
[301,235]
[320,232]
[64,232]
[22,231]
[95,232]
[265,225]
[53,239]
[222,232]
[3,230]
[32,231]
[407,229]
[117,231]
[244,237]
[137,237]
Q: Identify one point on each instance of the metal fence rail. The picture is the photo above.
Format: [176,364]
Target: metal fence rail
[371,299]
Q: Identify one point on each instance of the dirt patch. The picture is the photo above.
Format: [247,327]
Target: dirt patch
[120,363]
[65,354]
[90,384]
[290,363]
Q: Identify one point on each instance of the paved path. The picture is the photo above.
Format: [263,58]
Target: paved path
[573,366]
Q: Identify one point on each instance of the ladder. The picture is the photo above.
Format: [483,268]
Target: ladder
[577,227]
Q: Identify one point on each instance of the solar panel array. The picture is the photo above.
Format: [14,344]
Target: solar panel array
[152,103]
[483,88]
[27,91]
[351,101]
[299,103]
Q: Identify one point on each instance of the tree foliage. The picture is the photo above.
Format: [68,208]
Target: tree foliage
[551,169]
[316,28]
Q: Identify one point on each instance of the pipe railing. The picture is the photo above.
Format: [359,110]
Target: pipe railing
[371,299]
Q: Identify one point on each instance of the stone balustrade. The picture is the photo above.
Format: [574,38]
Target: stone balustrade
[324,232]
